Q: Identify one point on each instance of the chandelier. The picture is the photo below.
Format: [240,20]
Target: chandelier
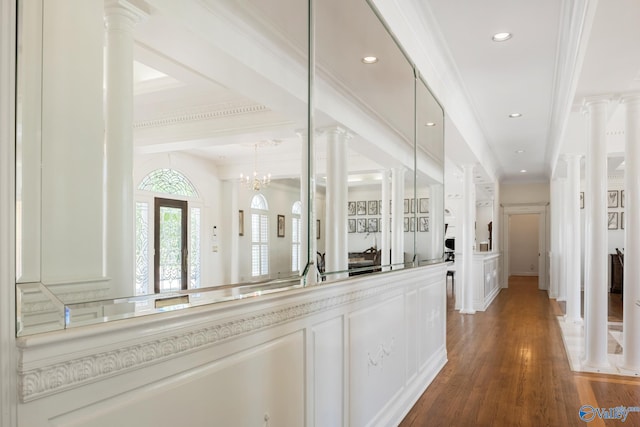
[253,182]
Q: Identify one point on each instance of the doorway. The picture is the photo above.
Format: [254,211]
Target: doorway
[170,259]
[523,245]
[528,246]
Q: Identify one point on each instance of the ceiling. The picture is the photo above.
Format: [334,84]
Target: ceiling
[560,52]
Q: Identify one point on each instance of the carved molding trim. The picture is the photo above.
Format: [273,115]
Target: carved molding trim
[204,113]
[382,352]
[57,377]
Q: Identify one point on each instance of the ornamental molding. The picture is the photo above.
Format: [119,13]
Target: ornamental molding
[58,377]
[208,112]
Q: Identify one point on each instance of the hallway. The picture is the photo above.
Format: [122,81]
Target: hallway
[507,367]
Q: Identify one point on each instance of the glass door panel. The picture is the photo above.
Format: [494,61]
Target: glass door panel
[170,261]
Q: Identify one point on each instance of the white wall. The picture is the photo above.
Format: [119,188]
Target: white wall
[524,193]
[523,245]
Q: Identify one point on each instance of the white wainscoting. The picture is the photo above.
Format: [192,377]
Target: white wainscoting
[353,353]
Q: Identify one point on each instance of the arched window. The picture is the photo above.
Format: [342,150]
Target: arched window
[259,236]
[296,233]
[168,181]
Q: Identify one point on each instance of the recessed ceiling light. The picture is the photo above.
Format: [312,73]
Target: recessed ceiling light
[370,59]
[519,151]
[430,124]
[514,115]
[501,37]
[523,170]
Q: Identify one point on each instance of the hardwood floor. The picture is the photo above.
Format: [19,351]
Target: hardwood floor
[507,367]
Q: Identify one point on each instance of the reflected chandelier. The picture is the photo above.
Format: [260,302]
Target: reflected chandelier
[254,183]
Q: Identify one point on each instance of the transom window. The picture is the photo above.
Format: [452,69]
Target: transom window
[168,181]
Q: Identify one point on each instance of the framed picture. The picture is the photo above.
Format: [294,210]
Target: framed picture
[351,223]
[317,229]
[423,223]
[406,224]
[280,225]
[361,208]
[372,225]
[424,206]
[612,199]
[351,208]
[582,200]
[406,206]
[622,220]
[412,224]
[413,206]
[612,222]
[622,198]
[373,207]
[380,207]
[361,225]
[240,223]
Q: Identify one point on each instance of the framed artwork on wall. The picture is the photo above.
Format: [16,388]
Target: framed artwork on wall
[372,226]
[280,225]
[240,223]
[361,226]
[351,225]
[351,208]
[373,207]
[612,199]
[361,207]
[622,198]
[317,229]
[612,221]
[406,224]
[582,200]
[622,220]
[423,223]
[406,206]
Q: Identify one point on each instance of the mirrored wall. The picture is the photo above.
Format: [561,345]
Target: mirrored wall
[172,154]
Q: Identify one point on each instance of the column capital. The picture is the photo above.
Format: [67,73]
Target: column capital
[338,131]
[123,9]
[590,101]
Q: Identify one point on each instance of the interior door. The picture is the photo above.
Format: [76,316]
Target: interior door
[170,245]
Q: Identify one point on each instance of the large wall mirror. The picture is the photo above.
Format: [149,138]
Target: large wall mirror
[165,158]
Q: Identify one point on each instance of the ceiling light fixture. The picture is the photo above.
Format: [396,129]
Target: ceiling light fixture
[430,124]
[501,37]
[255,184]
[514,115]
[519,151]
[523,170]
[370,59]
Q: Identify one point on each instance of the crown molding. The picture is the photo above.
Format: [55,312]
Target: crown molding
[203,113]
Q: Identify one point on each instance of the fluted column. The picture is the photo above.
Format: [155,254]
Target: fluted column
[385,244]
[631,280]
[120,19]
[562,240]
[595,307]
[337,253]
[572,228]
[397,228]
[468,232]
[235,230]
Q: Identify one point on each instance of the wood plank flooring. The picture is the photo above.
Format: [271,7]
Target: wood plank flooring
[507,367]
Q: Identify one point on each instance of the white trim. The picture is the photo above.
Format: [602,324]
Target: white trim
[8,377]
[520,209]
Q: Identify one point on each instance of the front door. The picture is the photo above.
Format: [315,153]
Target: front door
[170,245]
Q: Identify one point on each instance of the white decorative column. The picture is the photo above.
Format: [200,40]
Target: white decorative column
[631,279]
[337,252]
[308,243]
[436,221]
[385,228]
[562,240]
[120,19]
[555,237]
[595,306]
[468,232]
[572,228]
[397,228]
[235,231]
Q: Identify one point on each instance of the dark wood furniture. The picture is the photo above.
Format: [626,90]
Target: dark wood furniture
[616,270]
